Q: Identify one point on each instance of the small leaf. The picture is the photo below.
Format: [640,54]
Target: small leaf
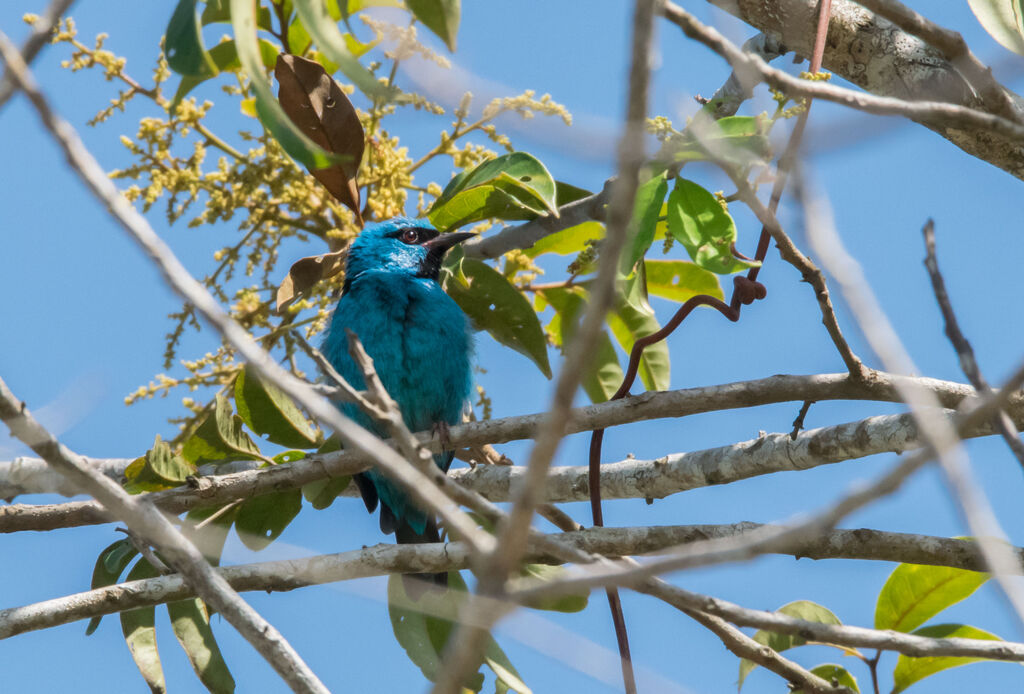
[159,469]
[210,538]
[633,318]
[225,57]
[268,411]
[566,193]
[305,273]
[191,624]
[139,630]
[913,594]
[680,280]
[322,493]
[836,675]
[646,208]
[560,603]
[910,670]
[801,609]
[495,305]
[113,560]
[697,220]
[741,140]
[220,11]
[440,16]
[183,44]
[567,241]
[262,519]
[1003,20]
[220,438]
[319,108]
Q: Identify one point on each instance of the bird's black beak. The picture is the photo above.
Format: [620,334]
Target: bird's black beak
[439,245]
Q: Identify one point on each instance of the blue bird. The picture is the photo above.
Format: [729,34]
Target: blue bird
[420,342]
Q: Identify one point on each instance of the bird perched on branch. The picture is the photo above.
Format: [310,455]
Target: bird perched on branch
[420,343]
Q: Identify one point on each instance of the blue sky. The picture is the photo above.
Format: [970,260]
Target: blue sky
[84,325]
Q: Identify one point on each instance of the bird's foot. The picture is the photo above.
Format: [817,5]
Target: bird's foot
[443,435]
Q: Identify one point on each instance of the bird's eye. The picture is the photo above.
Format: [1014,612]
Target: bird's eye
[411,236]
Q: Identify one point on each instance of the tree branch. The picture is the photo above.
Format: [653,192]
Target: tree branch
[42,30]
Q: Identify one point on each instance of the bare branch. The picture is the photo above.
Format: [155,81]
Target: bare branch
[42,30]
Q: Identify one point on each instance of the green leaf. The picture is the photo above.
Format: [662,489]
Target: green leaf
[271,413]
[183,45]
[475,204]
[913,594]
[329,39]
[646,209]
[262,519]
[220,438]
[567,241]
[113,560]
[299,39]
[519,174]
[1003,20]
[322,493]
[836,675]
[633,318]
[159,469]
[697,220]
[560,603]
[495,305]
[440,16]
[138,627]
[210,538]
[604,375]
[910,670]
[220,11]
[680,280]
[566,193]
[225,56]
[191,624]
[800,609]
[268,110]
[738,139]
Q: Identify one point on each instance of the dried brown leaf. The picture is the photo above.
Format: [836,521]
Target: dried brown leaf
[318,107]
[305,273]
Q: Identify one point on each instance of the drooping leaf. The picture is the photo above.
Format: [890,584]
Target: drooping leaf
[680,280]
[322,493]
[740,140]
[139,629]
[319,108]
[440,16]
[801,609]
[111,563]
[477,203]
[262,519]
[495,305]
[225,57]
[305,273]
[220,437]
[519,174]
[561,603]
[604,375]
[268,110]
[1003,20]
[633,318]
[159,469]
[910,670]
[269,412]
[697,220]
[191,624]
[913,594]
[646,207]
[210,538]
[836,675]
[567,241]
[183,44]
[220,11]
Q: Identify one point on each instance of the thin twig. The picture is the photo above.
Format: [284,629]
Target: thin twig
[42,30]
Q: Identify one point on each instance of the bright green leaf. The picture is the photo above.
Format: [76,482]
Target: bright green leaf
[299,39]
[836,675]
[913,594]
[646,207]
[560,603]
[495,305]
[220,437]
[191,624]
[271,413]
[262,519]
[1003,20]
[632,318]
[138,627]
[698,221]
[800,609]
[440,16]
[910,670]
[680,280]
[475,204]
[183,44]
[225,56]
[567,241]
[519,174]
[113,560]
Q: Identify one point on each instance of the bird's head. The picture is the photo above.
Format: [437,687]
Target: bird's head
[402,245]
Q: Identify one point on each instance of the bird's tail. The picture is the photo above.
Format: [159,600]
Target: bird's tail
[417,584]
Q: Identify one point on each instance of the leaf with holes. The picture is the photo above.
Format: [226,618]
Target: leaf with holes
[183,43]
[633,318]
[269,412]
[680,280]
[1003,20]
[640,233]
[139,629]
[262,519]
[440,16]
[319,108]
[913,594]
[220,438]
[191,625]
[111,563]
[225,56]
[495,305]
[519,174]
[910,670]
[698,221]
[306,273]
